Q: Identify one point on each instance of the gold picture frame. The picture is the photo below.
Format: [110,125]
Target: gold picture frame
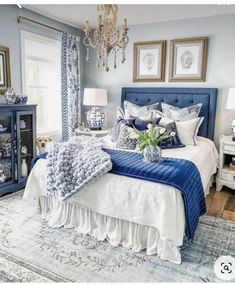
[5,74]
[149,58]
[188,59]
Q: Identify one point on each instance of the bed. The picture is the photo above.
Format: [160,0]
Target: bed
[136,214]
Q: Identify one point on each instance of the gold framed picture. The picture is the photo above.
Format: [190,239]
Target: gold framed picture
[188,59]
[149,61]
[5,74]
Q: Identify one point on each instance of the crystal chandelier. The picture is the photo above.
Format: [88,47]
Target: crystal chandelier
[107,38]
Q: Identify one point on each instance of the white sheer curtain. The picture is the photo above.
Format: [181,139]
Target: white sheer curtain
[41,64]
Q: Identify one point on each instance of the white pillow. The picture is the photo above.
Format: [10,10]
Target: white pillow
[187,130]
[120,112]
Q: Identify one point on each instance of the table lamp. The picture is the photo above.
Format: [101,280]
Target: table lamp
[95,98]
[231,106]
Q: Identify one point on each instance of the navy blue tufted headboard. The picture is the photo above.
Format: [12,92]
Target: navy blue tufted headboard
[180,97]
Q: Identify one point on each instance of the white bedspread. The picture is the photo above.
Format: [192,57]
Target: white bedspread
[138,201]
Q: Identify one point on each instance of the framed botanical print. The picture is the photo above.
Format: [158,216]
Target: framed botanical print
[188,59]
[149,61]
[5,75]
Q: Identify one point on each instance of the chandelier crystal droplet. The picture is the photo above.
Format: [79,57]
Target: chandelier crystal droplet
[107,38]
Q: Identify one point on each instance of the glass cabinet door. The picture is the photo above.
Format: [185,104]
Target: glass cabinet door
[25,147]
[7,150]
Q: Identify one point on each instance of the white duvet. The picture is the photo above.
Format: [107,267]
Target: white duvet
[139,201]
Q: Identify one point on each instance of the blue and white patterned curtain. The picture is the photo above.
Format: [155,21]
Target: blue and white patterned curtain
[70,85]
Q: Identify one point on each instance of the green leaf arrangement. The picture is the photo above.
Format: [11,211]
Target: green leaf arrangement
[152,136]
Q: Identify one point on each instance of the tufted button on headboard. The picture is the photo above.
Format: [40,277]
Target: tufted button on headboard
[180,97]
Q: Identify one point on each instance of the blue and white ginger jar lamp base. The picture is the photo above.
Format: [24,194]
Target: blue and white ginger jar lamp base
[95,118]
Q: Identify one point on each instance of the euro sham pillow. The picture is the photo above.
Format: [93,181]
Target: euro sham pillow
[126,138]
[143,112]
[173,141]
[181,114]
[188,130]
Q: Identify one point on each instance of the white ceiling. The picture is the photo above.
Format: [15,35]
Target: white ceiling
[76,15]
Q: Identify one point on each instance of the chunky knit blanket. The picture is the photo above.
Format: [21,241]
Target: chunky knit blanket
[74,164]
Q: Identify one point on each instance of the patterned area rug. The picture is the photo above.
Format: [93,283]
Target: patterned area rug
[31,251]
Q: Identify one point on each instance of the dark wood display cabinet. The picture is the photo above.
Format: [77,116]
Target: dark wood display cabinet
[17,145]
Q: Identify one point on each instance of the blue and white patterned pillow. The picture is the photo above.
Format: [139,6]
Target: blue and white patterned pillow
[142,112]
[125,140]
[120,121]
[181,114]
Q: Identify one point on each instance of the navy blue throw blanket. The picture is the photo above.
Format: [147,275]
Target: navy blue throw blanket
[179,173]
[39,156]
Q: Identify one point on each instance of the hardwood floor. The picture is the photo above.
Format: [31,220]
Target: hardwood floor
[221,203]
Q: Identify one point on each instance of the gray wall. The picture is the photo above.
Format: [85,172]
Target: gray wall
[220,69]
[221,59]
[10,37]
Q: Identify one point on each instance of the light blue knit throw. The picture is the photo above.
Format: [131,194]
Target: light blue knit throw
[74,164]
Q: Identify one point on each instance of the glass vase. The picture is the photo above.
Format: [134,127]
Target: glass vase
[152,154]
[24,168]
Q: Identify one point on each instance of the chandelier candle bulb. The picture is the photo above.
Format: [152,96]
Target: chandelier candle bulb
[87,54]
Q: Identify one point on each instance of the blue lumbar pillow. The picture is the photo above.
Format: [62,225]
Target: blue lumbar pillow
[143,124]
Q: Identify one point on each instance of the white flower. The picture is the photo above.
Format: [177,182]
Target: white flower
[150,126]
[173,133]
[137,148]
[162,130]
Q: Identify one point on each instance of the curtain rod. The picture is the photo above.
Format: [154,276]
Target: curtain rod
[21,18]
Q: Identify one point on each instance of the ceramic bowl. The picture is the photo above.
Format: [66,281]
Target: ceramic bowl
[3,129]
[23,99]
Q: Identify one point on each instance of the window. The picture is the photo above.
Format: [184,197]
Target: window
[42,80]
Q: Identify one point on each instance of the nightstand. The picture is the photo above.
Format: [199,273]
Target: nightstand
[93,133]
[226,175]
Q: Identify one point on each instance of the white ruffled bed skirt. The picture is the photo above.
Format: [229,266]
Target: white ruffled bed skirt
[115,231]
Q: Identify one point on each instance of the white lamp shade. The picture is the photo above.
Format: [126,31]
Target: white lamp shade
[95,97]
[231,99]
